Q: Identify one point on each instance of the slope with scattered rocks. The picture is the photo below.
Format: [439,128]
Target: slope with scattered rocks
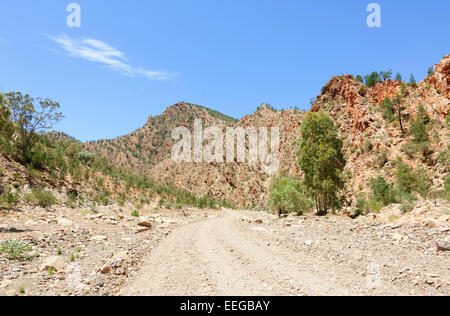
[79,252]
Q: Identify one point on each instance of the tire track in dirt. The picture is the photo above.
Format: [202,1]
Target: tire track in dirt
[217,257]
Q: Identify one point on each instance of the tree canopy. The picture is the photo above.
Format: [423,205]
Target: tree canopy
[31,116]
[321,159]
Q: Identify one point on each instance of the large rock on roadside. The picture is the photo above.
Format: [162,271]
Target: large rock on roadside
[444,244]
[145,223]
[55,263]
[65,222]
[99,238]
[431,222]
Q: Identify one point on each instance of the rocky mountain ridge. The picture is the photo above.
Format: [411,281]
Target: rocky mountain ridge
[372,143]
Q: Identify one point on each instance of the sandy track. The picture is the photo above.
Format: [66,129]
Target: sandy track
[221,256]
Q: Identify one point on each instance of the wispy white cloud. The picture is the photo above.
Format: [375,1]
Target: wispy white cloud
[100,52]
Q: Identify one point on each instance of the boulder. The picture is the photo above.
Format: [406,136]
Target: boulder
[99,238]
[443,244]
[142,230]
[66,222]
[431,222]
[308,243]
[55,263]
[106,269]
[145,224]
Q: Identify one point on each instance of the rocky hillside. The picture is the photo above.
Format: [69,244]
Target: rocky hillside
[68,175]
[373,141]
[152,143]
[242,183]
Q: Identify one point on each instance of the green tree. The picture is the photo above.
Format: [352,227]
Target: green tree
[360,79]
[31,116]
[382,191]
[424,183]
[447,186]
[6,126]
[388,110]
[412,80]
[399,107]
[287,195]
[386,75]
[418,127]
[321,159]
[393,109]
[372,79]
[398,77]
[406,178]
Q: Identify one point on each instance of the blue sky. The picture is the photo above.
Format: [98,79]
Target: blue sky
[131,59]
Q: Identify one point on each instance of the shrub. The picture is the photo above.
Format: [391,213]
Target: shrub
[38,157]
[86,157]
[406,207]
[42,198]
[14,249]
[382,157]
[103,198]
[8,200]
[287,195]
[410,149]
[71,199]
[444,158]
[413,149]
[180,205]
[135,213]
[32,173]
[401,196]
[361,207]
[363,91]
[121,200]
[447,186]
[406,178]
[367,146]
[424,182]
[382,191]
[418,127]
[373,206]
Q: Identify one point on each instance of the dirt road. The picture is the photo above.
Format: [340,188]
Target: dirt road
[226,256]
